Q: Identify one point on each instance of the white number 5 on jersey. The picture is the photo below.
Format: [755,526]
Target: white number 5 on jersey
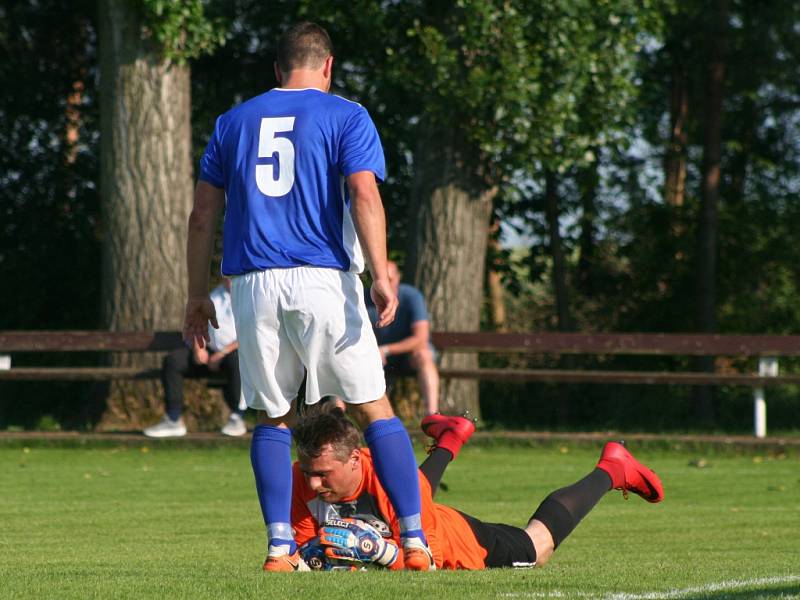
[268,145]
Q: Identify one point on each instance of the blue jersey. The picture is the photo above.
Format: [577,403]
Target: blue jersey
[282,158]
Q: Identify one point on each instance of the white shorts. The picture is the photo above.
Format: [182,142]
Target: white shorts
[304,319]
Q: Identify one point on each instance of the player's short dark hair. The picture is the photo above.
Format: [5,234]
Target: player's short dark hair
[304,45]
[322,425]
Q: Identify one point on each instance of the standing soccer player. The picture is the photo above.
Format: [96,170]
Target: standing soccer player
[299,168]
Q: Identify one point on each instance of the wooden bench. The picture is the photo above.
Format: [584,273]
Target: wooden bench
[84,341]
[506,343]
[766,347]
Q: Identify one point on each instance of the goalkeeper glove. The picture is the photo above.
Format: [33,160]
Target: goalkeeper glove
[355,540]
[313,553]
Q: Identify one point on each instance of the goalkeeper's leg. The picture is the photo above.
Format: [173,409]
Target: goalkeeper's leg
[449,433]
[553,521]
[559,513]
[434,467]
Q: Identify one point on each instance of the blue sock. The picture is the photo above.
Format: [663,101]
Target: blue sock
[270,455]
[396,467]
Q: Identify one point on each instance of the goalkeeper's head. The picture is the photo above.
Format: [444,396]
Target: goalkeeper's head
[328,450]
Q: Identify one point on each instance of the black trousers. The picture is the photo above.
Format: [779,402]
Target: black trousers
[180,364]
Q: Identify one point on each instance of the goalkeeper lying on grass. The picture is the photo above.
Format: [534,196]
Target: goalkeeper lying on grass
[342,518]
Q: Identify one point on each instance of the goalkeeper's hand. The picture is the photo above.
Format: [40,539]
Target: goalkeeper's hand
[313,553]
[355,540]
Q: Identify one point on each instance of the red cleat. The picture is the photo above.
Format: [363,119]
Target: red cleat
[628,474]
[449,432]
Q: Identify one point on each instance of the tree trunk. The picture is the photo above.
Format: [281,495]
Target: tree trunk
[707,231]
[740,161]
[146,186]
[559,276]
[557,253]
[675,159]
[447,255]
[494,283]
[588,180]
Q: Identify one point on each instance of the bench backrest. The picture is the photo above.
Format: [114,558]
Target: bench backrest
[89,341]
[529,343]
[620,343]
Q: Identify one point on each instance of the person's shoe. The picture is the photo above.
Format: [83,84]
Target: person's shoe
[435,425]
[628,474]
[235,425]
[448,432]
[417,556]
[166,427]
[285,563]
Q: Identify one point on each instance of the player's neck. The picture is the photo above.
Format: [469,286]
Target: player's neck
[301,79]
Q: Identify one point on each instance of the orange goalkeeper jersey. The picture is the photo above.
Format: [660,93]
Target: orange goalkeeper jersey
[452,541]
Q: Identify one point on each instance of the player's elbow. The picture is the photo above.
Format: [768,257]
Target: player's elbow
[201,219]
[422,352]
[363,189]
[366,203]
[208,204]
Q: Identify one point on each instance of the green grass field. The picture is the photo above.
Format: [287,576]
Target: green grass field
[161,521]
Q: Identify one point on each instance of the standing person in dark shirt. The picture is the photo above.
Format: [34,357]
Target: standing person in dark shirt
[405,343]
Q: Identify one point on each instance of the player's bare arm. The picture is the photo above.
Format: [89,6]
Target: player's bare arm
[209,203]
[420,333]
[200,354]
[370,224]
[215,360]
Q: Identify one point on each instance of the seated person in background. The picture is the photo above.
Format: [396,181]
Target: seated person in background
[220,356]
[342,518]
[405,343]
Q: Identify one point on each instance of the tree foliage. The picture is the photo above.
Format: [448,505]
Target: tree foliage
[505,92]
[48,192]
[182,28]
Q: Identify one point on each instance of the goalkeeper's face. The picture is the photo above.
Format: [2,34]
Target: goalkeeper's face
[330,477]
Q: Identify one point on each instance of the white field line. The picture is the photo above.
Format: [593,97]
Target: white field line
[734,584]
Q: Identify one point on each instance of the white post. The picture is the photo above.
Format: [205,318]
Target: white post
[767,367]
